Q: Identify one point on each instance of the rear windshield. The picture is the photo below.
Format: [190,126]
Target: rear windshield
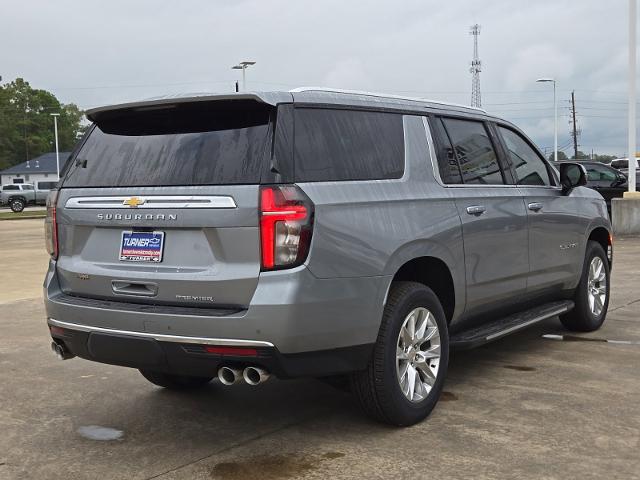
[217,143]
[620,164]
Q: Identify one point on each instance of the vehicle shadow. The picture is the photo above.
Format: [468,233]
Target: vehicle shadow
[280,403]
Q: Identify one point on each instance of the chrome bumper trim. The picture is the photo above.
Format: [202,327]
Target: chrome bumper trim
[160,337]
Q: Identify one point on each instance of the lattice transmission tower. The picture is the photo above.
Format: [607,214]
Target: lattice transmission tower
[476,68]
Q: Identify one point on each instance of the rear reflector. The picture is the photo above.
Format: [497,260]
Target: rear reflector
[56,331]
[237,351]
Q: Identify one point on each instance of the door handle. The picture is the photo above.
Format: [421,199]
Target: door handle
[535,206]
[476,209]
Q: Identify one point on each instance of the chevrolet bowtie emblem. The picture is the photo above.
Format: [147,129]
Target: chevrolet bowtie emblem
[133,202]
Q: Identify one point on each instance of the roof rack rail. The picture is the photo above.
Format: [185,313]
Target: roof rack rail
[381,95]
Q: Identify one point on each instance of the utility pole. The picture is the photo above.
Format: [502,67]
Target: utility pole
[575,125]
[476,97]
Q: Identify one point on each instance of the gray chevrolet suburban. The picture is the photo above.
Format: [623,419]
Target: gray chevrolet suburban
[318,233]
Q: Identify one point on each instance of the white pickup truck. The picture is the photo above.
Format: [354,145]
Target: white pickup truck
[19,195]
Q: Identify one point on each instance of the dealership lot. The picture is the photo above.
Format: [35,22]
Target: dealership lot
[525,406]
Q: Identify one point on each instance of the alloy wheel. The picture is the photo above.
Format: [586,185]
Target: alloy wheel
[418,354]
[597,286]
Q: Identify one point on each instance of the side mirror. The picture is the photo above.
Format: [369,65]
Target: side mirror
[572,175]
[620,180]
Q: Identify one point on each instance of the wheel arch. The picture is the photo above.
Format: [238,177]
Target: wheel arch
[434,273]
[603,236]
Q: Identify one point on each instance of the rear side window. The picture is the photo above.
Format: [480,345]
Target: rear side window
[530,168]
[474,152]
[27,187]
[11,187]
[334,145]
[207,143]
[46,185]
[447,162]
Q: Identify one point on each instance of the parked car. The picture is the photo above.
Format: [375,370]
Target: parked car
[606,180]
[17,196]
[622,164]
[42,190]
[315,233]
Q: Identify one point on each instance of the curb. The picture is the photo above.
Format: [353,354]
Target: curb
[25,217]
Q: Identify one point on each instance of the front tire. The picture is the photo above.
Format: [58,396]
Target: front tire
[17,205]
[592,293]
[406,373]
[175,382]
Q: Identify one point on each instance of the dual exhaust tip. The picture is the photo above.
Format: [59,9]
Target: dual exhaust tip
[251,375]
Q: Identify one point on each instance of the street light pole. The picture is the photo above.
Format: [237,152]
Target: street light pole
[55,129]
[243,66]
[632,97]
[555,117]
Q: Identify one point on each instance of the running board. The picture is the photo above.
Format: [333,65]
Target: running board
[504,326]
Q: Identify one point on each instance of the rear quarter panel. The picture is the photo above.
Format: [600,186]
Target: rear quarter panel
[371,228]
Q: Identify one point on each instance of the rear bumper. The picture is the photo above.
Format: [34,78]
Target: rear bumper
[175,356]
[300,324]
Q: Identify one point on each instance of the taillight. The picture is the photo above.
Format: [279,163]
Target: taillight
[286,224]
[51,226]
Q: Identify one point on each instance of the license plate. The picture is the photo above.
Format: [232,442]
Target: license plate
[141,246]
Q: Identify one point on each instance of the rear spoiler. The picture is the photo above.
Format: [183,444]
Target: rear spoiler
[268,98]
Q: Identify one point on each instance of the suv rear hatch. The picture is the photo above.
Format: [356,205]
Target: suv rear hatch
[159,205]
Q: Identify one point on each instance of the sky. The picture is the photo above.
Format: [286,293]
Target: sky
[95,53]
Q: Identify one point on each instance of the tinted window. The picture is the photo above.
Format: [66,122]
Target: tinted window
[530,168]
[11,187]
[597,173]
[474,152]
[194,144]
[46,185]
[27,187]
[335,145]
[447,163]
[620,164]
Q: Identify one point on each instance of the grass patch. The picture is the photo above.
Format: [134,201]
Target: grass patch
[14,216]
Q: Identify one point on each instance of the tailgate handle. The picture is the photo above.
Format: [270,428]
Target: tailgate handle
[141,289]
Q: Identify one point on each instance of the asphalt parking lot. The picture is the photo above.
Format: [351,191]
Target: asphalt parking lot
[523,407]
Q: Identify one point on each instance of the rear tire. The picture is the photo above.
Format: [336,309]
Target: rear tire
[175,382]
[17,205]
[382,390]
[592,293]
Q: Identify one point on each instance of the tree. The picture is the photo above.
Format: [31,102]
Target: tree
[561,156]
[604,158]
[26,126]
[595,158]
